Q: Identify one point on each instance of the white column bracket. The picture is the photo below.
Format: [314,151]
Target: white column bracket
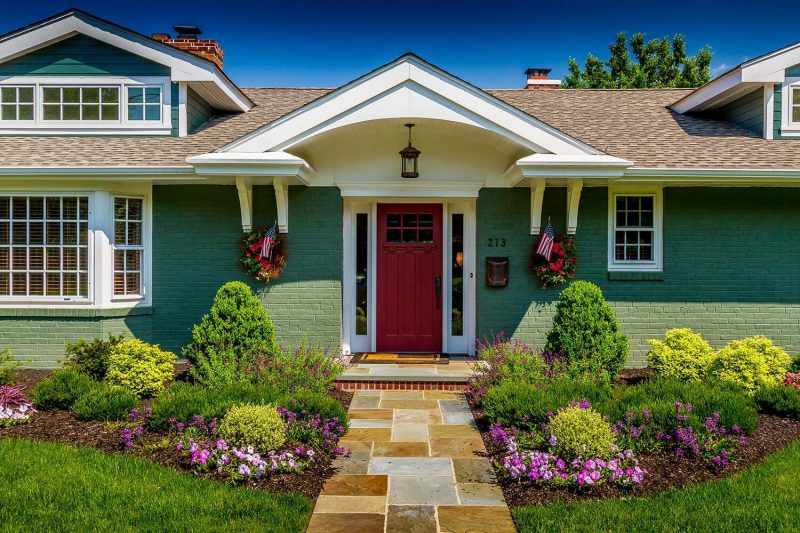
[245,189]
[282,203]
[573,200]
[537,195]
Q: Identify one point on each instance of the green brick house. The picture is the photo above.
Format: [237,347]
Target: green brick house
[130,166]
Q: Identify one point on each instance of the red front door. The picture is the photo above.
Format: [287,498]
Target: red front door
[409,278]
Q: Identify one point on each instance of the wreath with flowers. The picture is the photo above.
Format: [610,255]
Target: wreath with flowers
[263,267]
[560,266]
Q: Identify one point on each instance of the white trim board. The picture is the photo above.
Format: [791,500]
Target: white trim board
[183,65]
[427,89]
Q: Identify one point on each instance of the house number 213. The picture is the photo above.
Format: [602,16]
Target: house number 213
[495,242]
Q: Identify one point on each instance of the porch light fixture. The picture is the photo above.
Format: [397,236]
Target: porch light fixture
[408,156]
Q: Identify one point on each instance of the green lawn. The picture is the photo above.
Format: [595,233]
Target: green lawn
[45,486]
[764,498]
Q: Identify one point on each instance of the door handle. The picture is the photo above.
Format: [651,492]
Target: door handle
[437,286]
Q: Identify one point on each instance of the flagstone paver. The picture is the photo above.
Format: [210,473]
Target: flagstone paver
[418,465]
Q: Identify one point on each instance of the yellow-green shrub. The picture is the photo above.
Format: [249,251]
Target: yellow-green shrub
[682,355]
[752,363]
[140,367]
[259,426]
[581,433]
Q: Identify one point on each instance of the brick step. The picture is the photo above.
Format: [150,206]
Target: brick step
[401,384]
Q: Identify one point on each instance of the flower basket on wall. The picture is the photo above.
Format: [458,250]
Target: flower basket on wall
[263,253]
[560,266]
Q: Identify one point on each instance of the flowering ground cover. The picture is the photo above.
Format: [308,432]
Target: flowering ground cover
[765,497]
[193,447]
[55,487]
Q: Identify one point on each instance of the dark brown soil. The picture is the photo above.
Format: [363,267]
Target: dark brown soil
[632,376]
[665,471]
[61,427]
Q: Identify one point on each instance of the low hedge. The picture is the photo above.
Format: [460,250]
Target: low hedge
[61,389]
[182,401]
[103,402]
[779,400]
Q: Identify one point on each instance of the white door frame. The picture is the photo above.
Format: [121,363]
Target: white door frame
[352,343]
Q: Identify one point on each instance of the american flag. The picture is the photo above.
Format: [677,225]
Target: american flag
[266,243]
[545,246]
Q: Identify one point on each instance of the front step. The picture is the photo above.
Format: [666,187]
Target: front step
[365,376]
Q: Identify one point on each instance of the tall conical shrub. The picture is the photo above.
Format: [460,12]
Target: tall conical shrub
[236,327]
[586,329]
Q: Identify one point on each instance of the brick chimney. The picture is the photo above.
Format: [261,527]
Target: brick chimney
[538,79]
[187,40]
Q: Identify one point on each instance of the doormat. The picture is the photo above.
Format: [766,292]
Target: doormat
[401,358]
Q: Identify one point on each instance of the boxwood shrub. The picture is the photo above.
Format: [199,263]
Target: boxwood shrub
[259,426]
[61,389]
[103,402]
[525,405]
[779,400]
[182,401]
[683,355]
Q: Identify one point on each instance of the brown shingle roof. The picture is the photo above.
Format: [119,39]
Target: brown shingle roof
[633,124]
[638,125]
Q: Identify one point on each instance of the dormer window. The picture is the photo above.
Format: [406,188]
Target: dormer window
[80,103]
[144,103]
[16,103]
[795,105]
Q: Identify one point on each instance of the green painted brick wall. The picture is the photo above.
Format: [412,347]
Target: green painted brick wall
[730,266]
[195,250]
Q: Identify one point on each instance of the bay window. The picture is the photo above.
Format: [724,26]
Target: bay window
[635,238]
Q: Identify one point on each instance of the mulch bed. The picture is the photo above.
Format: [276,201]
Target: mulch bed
[61,427]
[665,471]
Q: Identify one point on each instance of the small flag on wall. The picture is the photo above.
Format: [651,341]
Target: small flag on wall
[266,243]
[545,245]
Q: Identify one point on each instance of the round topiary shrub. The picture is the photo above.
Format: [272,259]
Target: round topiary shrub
[236,327]
[61,389]
[104,403]
[586,329]
[140,367]
[752,363]
[682,355]
[581,432]
[259,426]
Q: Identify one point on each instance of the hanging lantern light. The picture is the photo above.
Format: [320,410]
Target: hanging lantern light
[408,157]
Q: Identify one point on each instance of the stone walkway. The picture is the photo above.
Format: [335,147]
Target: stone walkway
[416,466]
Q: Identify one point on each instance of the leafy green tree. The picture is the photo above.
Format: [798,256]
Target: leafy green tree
[656,63]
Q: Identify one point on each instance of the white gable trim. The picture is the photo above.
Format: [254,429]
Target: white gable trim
[768,68]
[184,67]
[358,101]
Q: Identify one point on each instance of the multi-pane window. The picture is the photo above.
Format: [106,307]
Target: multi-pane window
[16,103]
[128,246]
[634,229]
[796,105]
[44,246]
[144,103]
[409,228]
[80,103]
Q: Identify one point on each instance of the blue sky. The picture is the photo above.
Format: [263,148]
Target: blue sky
[326,43]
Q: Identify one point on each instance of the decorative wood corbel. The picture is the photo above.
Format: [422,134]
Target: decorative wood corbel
[573,200]
[245,189]
[282,203]
[537,195]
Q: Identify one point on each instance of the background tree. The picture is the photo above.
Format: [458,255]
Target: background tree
[657,63]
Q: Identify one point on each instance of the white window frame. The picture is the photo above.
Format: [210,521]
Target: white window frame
[144,105]
[11,298]
[95,127]
[79,103]
[115,247]
[788,127]
[656,265]
[101,245]
[18,103]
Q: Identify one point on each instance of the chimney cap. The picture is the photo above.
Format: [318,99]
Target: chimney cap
[190,32]
[538,71]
